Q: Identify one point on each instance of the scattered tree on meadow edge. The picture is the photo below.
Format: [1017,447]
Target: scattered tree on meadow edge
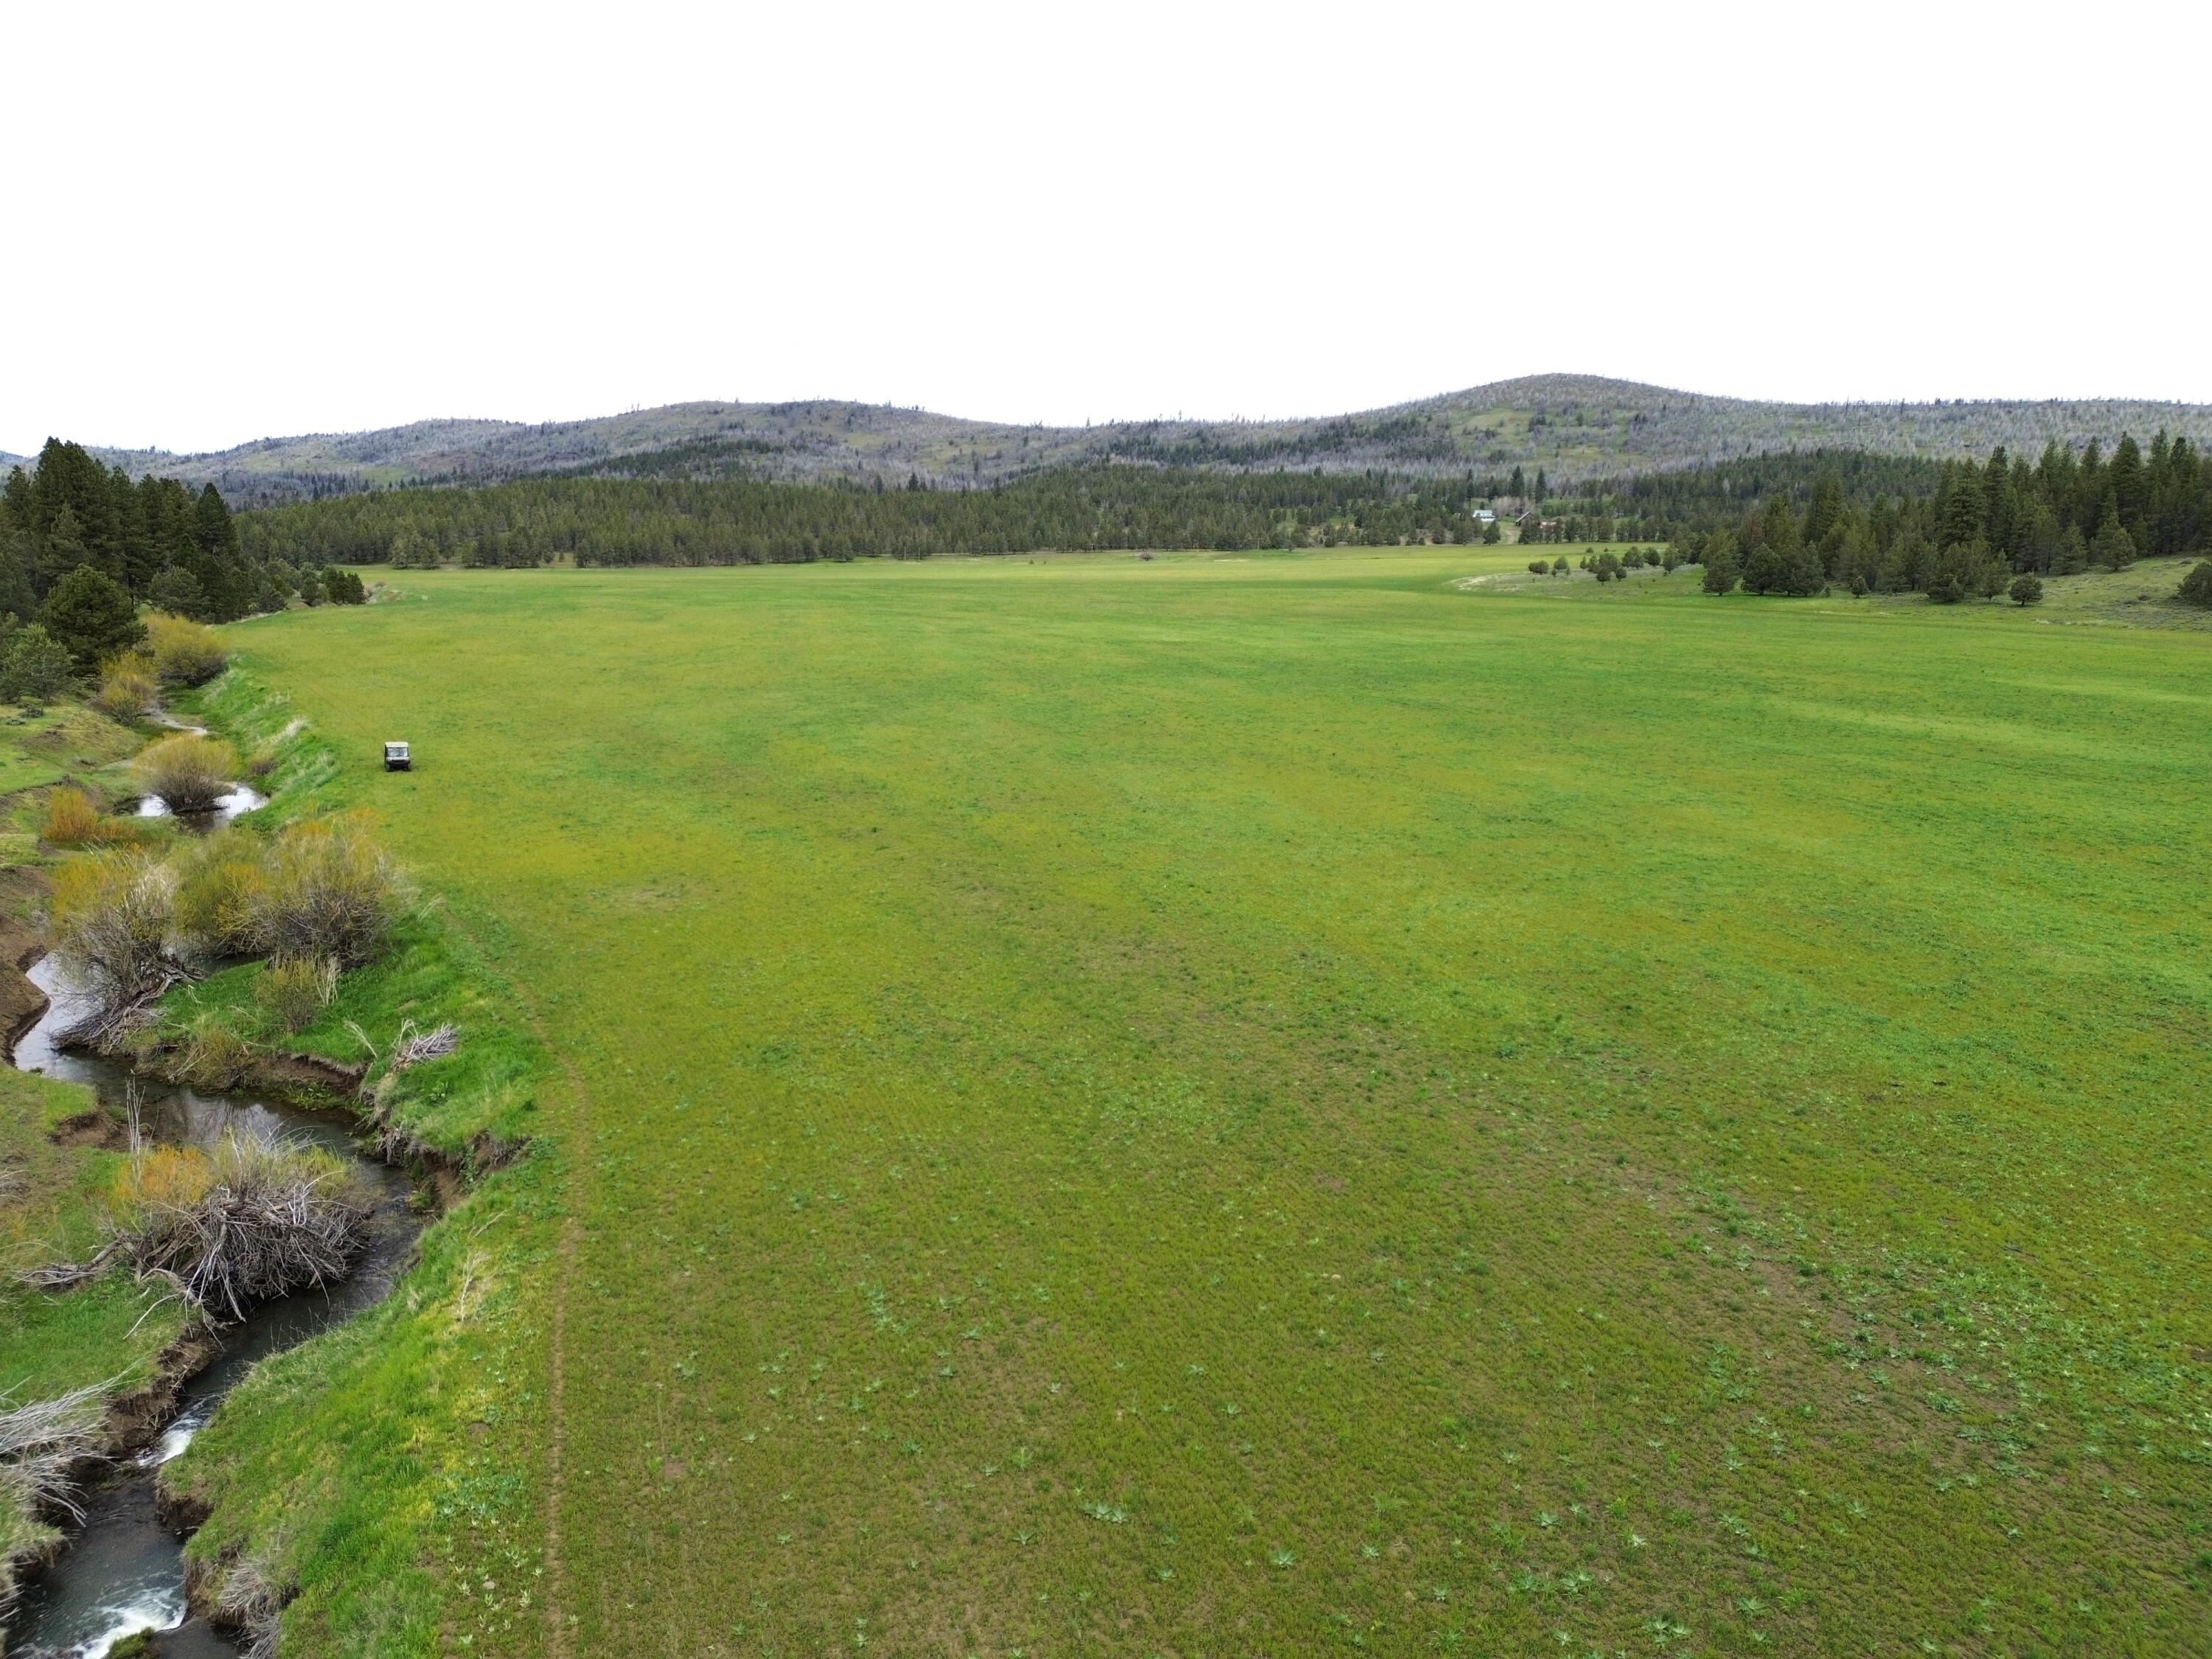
[2027,590]
[1718,555]
[37,668]
[2196,587]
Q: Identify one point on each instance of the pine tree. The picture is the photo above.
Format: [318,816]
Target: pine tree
[2114,549]
[37,668]
[177,591]
[17,597]
[1963,511]
[1721,566]
[2041,542]
[91,614]
[64,550]
[2124,488]
[2073,553]
[1823,511]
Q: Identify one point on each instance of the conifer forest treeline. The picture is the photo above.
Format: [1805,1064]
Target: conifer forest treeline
[1966,530]
[1785,523]
[157,540]
[1791,522]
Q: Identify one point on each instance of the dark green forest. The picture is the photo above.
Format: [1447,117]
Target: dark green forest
[1785,523]
[694,521]
[1966,532]
[162,542]
[1782,523]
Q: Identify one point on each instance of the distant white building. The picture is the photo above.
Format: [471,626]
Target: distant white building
[1484,515]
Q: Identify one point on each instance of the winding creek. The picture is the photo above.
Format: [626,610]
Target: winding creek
[123,1571]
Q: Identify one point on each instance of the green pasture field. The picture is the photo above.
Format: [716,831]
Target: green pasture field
[1272,1105]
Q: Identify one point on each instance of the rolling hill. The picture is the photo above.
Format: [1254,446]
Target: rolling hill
[1576,426]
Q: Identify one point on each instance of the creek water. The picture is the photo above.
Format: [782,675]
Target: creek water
[239,798]
[123,1571]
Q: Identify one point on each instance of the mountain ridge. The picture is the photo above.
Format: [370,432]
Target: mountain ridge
[1574,426]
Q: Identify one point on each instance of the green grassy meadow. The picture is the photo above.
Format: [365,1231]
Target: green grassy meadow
[1272,1105]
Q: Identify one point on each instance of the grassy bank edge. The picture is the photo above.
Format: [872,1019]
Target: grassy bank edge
[336,1476]
[55,1162]
[125,1339]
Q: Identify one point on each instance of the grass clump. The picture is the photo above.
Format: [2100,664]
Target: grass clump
[43,1442]
[190,772]
[181,652]
[292,993]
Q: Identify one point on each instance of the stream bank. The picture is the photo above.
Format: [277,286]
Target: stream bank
[416,1432]
[123,1571]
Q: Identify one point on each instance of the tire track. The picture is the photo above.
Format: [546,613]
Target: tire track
[572,1230]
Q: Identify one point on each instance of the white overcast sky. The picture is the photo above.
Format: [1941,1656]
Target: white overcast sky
[223,221]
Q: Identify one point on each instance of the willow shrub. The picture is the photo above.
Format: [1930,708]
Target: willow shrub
[127,688]
[74,819]
[293,993]
[326,891]
[111,921]
[246,1219]
[189,772]
[218,883]
[182,652]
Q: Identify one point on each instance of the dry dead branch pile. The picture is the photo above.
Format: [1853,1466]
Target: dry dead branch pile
[414,1047]
[247,1220]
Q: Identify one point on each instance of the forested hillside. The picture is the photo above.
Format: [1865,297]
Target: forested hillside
[1787,522]
[1577,427]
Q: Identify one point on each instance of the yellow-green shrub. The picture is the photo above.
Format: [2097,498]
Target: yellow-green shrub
[182,652]
[127,688]
[244,1219]
[188,772]
[326,890]
[293,993]
[219,881]
[111,920]
[74,819]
